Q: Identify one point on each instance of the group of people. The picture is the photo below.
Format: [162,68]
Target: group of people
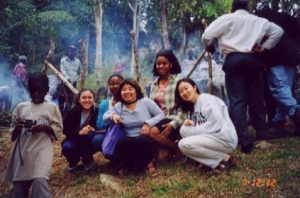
[176,121]
[264,43]
[152,126]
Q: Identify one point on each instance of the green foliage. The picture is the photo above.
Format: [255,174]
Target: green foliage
[27,26]
[5,118]
[55,17]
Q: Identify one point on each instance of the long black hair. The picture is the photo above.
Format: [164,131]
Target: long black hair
[168,54]
[185,105]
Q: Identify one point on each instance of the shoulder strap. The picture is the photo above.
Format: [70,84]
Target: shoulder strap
[87,120]
[121,110]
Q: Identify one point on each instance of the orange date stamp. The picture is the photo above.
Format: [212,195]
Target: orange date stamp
[259,182]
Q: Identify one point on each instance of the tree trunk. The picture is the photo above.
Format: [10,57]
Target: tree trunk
[87,42]
[136,16]
[164,15]
[183,32]
[84,64]
[98,13]
[137,33]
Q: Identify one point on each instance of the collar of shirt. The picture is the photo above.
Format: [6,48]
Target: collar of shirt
[241,12]
[171,77]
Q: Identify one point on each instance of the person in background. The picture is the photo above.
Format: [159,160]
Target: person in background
[243,74]
[79,127]
[166,132]
[188,64]
[135,151]
[281,64]
[19,71]
[208,136]
[120,66]
[18,84]
[35,125]
[70,68]
[114,82]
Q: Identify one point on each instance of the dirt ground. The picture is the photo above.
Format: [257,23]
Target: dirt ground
[59,175]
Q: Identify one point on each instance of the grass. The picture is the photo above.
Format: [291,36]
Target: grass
[278,165]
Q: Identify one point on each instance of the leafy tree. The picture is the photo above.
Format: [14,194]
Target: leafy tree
[27,28]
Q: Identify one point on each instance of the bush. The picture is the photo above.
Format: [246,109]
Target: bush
[5,118]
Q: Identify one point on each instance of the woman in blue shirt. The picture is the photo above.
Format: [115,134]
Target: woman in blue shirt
[114,82]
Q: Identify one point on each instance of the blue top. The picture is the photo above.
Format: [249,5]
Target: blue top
[146,111]
[101,124]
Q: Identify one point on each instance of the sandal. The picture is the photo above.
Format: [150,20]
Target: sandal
[225,165]
[200,166]
[181,160]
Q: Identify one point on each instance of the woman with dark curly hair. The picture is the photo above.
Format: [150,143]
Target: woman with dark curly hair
[166,68]
[135,151]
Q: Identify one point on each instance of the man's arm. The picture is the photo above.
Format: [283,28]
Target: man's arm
[273,34]
[214,30]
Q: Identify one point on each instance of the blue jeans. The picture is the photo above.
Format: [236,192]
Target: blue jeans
[84,147]
[280,80]
[244,85]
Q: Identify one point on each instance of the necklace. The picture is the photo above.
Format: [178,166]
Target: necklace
[129,103]
[131,106]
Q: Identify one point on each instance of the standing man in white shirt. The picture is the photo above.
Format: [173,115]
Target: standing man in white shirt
[70,68]
[239,34]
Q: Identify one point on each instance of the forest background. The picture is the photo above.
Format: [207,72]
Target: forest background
[29,26]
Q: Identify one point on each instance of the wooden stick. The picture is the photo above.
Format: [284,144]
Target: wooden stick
[137,70]
[61,77]
[84,64]
[49,56]
[211,90]
[196,63]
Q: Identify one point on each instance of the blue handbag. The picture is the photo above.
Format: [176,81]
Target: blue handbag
[114,133]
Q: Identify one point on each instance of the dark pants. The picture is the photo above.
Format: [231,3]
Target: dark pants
[40,188]
[175,134]
[134,153]
[85,146]
[244,84]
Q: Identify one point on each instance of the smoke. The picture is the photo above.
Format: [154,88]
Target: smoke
[12,92]
[52,95]
[5,74]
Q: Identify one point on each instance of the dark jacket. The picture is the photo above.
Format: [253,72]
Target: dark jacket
[287,51]
[72,122]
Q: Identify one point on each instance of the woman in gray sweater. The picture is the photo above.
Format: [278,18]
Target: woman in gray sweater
[135,151]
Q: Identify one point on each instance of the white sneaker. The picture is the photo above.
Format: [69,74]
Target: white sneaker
[71,168]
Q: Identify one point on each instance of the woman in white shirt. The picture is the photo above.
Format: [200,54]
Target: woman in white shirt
[209,136]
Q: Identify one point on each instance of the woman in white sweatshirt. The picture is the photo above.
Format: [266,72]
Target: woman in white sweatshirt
[209,135]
